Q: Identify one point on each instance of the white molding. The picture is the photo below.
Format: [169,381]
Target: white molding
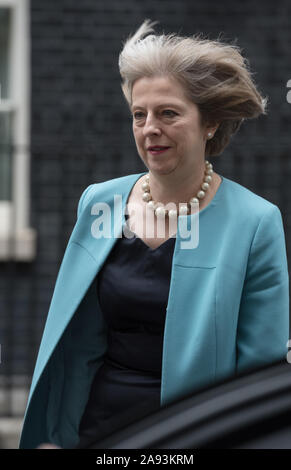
[8,3]
[22,236]
[20,247]
[5,218]
[15,244]
[6,106]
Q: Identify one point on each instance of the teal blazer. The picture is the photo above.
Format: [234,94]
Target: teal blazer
[228,307]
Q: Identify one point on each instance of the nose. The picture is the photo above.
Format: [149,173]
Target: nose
[151,126]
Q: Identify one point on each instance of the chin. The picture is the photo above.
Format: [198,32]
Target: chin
[161,169]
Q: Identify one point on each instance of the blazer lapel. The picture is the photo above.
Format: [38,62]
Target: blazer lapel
[83,258]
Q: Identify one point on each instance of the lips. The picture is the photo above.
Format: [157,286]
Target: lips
[157,147]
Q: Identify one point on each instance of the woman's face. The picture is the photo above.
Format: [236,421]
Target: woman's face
[164,116]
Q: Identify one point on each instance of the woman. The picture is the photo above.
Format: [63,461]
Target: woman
[140,318]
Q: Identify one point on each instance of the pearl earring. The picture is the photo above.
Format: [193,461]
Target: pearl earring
[209,134]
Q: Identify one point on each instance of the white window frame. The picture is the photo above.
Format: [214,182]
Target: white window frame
[17,239]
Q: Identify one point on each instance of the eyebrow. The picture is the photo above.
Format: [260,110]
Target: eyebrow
[163,105]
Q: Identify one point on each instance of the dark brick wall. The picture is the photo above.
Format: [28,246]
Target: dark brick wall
[81,130]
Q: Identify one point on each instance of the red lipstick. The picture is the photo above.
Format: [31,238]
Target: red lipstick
[157,149]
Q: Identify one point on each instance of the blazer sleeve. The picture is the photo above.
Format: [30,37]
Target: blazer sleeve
[263,323]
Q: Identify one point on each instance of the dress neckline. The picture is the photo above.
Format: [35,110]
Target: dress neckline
[139,240]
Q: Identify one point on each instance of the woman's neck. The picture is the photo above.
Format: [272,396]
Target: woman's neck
[176,188]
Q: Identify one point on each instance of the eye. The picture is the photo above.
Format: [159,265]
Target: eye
[138,115]
[169,112]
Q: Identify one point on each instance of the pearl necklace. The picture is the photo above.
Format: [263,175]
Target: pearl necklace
[184,208]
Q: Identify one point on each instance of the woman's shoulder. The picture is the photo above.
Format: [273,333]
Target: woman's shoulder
[245,201]
[105,190]
[120,182]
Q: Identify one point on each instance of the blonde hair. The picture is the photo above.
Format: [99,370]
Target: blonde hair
[214,75]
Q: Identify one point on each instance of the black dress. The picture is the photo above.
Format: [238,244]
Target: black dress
[133,288]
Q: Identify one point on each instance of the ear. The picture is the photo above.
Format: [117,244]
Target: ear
[212,128]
